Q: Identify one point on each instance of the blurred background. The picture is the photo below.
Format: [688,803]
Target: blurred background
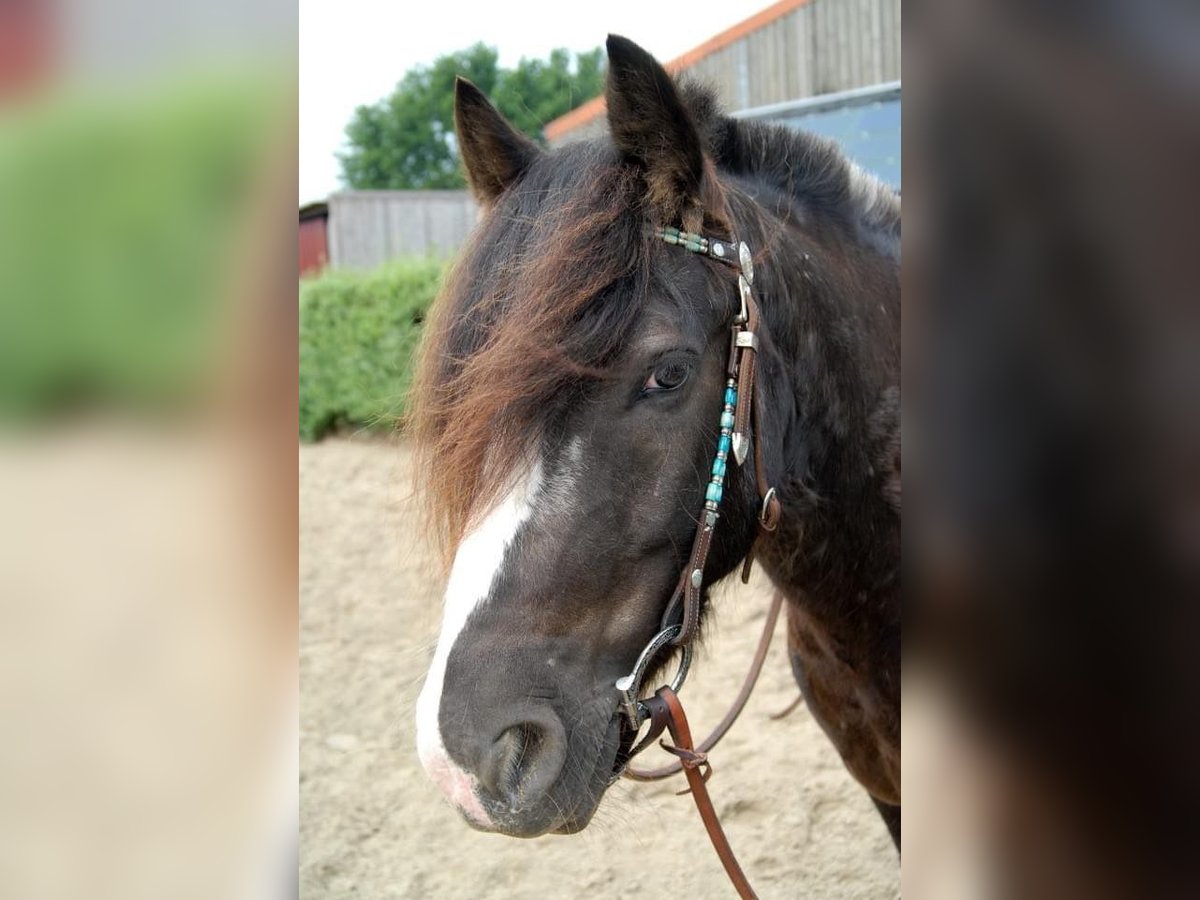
[147,449]
[1052,442]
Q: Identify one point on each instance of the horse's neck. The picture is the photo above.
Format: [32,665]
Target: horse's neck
[832,394]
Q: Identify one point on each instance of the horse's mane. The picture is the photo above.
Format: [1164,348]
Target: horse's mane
[549,289]
[811,169]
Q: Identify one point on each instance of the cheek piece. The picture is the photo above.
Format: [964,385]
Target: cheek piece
[682,615]
[679,629]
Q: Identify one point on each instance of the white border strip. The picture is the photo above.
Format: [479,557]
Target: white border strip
[854,97]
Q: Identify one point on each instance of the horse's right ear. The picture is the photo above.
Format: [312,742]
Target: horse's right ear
[494,153]
[652,128]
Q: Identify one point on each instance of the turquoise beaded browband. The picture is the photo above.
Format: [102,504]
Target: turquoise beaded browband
[736,255]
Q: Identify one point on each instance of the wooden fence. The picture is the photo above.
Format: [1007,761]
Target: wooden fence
[367,228]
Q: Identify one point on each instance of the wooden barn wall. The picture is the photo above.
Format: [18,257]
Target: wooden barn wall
[820,48]
[313,246]
[367,228]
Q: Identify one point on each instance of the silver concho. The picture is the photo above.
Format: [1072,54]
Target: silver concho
[746,261]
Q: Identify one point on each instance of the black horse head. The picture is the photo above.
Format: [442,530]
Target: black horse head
[567,413]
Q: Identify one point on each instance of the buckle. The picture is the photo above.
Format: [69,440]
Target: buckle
[747,339]
[767,521]
[743,295]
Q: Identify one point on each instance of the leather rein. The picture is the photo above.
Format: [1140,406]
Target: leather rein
[740,412]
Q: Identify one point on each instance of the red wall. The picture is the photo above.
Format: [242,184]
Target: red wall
[28,47]
[314,252]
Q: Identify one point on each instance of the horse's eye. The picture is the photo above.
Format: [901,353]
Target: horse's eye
[668,375]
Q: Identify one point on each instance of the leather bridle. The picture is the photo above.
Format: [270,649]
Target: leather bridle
[741,404]
[740,412]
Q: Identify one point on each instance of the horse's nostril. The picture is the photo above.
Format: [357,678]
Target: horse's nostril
[518,746]
[523,763]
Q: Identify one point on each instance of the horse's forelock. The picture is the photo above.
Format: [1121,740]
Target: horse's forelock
[523,319]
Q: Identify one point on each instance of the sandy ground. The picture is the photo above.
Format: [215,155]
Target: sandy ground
[373,826]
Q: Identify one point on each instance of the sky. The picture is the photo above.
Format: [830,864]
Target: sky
[355,51]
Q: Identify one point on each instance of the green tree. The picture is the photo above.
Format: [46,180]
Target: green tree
[406,140]
[537,92]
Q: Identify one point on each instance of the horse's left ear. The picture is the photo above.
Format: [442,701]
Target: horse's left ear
[652,128]
[494,153]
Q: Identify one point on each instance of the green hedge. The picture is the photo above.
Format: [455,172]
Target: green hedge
[358,336]
[123,217]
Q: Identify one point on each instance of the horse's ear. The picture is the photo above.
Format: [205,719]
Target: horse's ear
[652,128]
[494,153]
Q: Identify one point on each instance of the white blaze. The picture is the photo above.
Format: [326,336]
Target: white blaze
[476,565]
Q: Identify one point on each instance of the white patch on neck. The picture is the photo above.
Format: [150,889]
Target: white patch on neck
[476,564]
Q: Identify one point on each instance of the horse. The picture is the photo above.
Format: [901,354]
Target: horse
[565,412]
